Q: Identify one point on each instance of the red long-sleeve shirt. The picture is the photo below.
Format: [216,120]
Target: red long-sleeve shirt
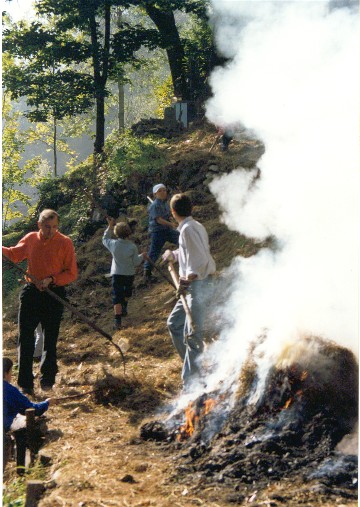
[46,257]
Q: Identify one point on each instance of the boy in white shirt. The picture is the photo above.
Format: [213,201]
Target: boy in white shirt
[196,266]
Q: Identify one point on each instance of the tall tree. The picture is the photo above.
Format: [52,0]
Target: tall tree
[164,20]
[44,71]
[162,13]
[49,56]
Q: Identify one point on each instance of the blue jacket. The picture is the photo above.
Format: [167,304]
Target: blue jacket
[158,209]
[14,402]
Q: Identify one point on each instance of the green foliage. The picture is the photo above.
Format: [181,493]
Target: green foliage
[13,175]
[9,276]
[128,154]
[15,492]
[200,56]
[41,71]
[49,56]
[164,93]
[141,89]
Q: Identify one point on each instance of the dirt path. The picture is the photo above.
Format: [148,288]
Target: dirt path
[97,455]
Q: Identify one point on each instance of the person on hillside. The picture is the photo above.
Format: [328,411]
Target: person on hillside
[125,259]
[51,264]
[226,135]
[161,228]
[196,266]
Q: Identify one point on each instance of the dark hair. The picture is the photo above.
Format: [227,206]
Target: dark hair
[122,230]
[7,365]
[181,204]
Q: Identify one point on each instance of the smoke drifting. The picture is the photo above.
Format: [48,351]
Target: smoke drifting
[293,79]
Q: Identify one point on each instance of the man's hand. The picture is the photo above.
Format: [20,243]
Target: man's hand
[183,287]
[44,284]
[168,256]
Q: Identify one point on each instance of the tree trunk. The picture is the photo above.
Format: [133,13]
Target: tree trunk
[101,68]
[121,99]
[121,92]
[55,147]
[165,23]
[100,123]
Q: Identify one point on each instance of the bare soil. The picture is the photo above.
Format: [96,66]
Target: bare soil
[97,457]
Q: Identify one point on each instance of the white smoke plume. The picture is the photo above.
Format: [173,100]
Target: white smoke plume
[293,79]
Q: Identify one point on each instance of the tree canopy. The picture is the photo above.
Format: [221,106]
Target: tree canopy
[65,60]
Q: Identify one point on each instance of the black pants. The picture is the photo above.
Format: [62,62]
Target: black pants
[38,307]
[122,287]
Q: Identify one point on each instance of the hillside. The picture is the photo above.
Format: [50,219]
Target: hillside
[93,449]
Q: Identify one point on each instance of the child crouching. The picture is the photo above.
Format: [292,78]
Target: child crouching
[125,259]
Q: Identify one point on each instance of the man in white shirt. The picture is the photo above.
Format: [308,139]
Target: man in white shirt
[196,266]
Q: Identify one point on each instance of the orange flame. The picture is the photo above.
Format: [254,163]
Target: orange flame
[209,405]
[193,415]
[298,393]
[288,403]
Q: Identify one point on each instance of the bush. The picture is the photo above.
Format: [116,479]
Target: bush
[128,155]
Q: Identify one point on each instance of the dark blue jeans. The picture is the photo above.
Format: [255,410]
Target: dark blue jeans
[38,307]
[158,240]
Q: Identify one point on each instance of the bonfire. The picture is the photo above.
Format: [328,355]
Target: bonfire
[292,426]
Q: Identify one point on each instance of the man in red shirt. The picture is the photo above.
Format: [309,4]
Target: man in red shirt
[52,263]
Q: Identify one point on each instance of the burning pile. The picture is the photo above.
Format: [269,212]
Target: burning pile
[290,429]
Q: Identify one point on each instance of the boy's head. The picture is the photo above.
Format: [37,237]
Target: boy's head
[7,367]
[122,230]
[181,204]
[160,192]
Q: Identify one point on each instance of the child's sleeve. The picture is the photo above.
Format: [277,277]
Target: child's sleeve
[137,259]
[21,403]
[106,240]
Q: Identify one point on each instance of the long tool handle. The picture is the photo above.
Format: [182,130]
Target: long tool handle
[69,306]
[160,271]
[73,396]
[216,140]
[183,299]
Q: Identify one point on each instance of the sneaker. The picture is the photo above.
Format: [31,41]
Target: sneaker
[28,391]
